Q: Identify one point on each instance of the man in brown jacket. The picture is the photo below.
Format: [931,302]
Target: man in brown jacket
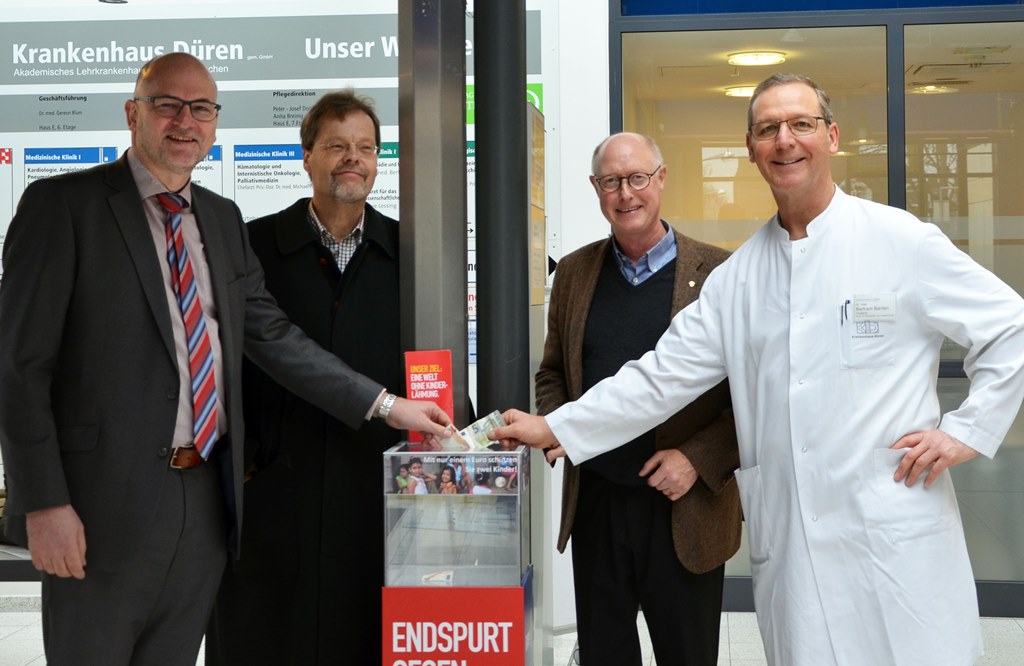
[653,521]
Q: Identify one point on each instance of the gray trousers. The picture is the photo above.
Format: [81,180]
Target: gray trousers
[152,611]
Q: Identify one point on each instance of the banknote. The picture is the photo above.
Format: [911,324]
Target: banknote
[474,436]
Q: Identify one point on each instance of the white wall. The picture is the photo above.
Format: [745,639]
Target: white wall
[575,46]
[578,118]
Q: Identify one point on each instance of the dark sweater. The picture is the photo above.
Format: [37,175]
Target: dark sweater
[625,322]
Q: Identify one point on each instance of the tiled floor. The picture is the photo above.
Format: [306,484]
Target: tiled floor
[21,640]
[741,643]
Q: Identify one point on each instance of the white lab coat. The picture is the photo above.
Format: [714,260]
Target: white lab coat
[831,345]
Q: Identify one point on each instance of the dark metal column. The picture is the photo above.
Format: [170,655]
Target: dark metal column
[502,207]
[432,182]
[896,124]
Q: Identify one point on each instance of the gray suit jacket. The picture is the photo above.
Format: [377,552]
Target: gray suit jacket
[88,378]
[705,521]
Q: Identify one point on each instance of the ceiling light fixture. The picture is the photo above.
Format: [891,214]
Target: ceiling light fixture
[757,58]
[932,89]
[739,91]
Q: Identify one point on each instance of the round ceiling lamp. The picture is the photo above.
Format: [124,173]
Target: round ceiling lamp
[757,58]
[932,89]
[739,91]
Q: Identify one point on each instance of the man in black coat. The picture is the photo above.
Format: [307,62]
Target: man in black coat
[306,589]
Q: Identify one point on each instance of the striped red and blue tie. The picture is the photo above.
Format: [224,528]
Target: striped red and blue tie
[204,386]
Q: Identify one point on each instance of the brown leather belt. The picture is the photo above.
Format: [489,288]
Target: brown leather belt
[185,457]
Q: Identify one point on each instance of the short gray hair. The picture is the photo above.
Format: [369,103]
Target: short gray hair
[784,79]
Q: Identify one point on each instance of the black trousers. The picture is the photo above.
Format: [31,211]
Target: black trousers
[152,611]
[624,561]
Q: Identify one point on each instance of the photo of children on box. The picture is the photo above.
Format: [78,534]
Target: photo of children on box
[440,473]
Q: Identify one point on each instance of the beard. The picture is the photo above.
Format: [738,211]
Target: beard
[350,192]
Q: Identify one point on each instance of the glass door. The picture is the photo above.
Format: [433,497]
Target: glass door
[954,92]
[680,88]
[965,165]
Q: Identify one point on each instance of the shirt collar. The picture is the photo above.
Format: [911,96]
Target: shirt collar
[656,258]
[326,237]
[148,184]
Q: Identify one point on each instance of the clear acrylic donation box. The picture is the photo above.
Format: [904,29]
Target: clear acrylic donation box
[456,519]
[457,571]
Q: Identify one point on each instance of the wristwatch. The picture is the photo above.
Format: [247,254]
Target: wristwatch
[384,410]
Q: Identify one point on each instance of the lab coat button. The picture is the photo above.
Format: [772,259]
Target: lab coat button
[814,519]
[803,449]
[803,316]
[800,382]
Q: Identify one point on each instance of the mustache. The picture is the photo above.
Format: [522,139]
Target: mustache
[338,172]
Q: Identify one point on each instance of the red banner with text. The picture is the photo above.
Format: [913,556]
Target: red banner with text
[428,376]
[453,626]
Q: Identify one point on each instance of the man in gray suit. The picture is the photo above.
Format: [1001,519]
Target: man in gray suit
[116,441]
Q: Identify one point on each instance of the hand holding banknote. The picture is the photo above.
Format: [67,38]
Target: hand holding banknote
[474,437]
[527,429]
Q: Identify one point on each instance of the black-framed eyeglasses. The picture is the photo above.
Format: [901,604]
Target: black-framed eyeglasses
[169,106]
[338,149]
[637,181]
[800,126]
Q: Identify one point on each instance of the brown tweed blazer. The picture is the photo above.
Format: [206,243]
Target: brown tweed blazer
[705,521]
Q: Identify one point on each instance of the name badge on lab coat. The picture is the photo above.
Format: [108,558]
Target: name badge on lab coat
[866,341]
[874,307]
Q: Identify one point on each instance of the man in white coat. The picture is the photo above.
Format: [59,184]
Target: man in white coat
[828,323]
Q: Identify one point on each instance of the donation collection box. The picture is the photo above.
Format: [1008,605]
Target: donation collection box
[457,574]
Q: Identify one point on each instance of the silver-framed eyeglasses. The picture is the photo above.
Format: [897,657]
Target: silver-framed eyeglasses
[169,106]
[637,181]
[338,149]
[800,126]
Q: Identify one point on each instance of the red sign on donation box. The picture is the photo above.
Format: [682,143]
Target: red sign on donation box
[453,626]
[428,376]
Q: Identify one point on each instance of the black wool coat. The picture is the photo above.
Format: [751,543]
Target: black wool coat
[306,589]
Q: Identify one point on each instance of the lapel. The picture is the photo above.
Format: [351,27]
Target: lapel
[130,218]
[377,232]
[215,245]
[291,230]
[690,273]
[580,296]
[689,269]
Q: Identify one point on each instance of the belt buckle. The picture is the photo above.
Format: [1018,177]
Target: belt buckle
[189,457]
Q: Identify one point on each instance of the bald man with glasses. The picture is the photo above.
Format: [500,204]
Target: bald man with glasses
[129,296]
[652,522]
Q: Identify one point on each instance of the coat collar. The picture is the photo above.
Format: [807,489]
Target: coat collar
[293,231]
[690,274]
